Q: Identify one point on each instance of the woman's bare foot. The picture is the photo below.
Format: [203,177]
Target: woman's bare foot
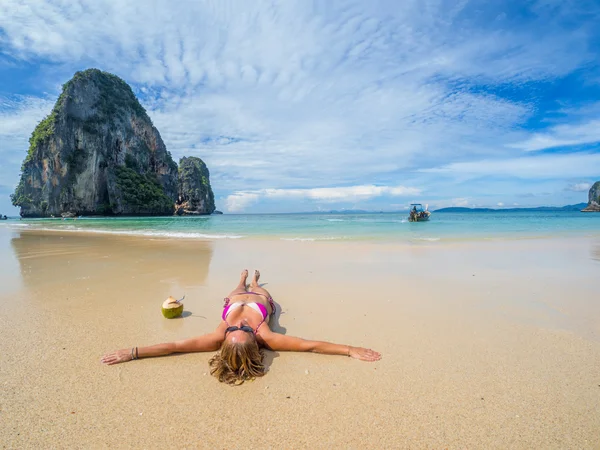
[255,278]
[243,277]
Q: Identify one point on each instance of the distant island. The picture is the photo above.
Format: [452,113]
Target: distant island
[577,207]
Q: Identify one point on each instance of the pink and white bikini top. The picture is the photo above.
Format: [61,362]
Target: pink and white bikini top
[258,307]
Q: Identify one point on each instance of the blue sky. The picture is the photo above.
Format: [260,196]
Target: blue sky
[303,106]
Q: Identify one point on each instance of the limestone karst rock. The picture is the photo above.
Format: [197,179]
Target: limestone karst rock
[98,153]
[195,193]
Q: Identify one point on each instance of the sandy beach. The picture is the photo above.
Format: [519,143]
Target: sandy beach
[487,344]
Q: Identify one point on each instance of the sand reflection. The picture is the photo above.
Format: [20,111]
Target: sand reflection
[49,258]
[595,252]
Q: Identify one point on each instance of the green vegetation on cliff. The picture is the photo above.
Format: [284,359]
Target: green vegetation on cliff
[116,96]
[143,191]
[20,198]
[42,132]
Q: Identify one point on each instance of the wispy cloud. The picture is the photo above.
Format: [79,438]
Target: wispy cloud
[579,187]
[462,202]
[562,136]
[18,117]
[541,167]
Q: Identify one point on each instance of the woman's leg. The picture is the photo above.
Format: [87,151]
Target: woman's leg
[241,287]
[254,287]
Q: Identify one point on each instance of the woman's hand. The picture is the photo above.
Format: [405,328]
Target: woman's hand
[117,357]
[364,354]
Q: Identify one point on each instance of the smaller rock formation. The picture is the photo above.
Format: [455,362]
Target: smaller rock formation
[594,198]
[195,194]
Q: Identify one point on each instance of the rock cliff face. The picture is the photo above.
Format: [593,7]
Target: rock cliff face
[195,194]
[594,198]
[97,153]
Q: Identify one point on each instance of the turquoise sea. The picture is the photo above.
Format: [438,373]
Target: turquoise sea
[443,226]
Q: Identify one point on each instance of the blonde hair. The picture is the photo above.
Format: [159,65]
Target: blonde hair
[238,362]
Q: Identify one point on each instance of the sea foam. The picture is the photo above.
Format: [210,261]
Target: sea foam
[142,233]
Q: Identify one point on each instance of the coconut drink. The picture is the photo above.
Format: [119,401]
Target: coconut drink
[172,308]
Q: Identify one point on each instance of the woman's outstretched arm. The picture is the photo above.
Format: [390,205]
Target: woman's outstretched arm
[206,343]
[281,342]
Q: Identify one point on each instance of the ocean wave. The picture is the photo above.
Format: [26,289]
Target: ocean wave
[142,233]
[297,239]
[331,238]
[429,239]
[335,220]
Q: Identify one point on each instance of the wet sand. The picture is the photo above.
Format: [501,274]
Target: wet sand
[485,344]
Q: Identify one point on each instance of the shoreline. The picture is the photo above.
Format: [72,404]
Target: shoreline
[367,239]
[390,228]
[485,345]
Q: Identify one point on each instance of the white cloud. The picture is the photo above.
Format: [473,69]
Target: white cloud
[462,202]
[500,204]
[309,143]
[21,114]
[579,187]
[239,201]
[348,193]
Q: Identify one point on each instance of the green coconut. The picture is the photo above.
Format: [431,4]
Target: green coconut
[172,308]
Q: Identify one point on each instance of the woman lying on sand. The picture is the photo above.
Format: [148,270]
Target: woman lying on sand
[241,336]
